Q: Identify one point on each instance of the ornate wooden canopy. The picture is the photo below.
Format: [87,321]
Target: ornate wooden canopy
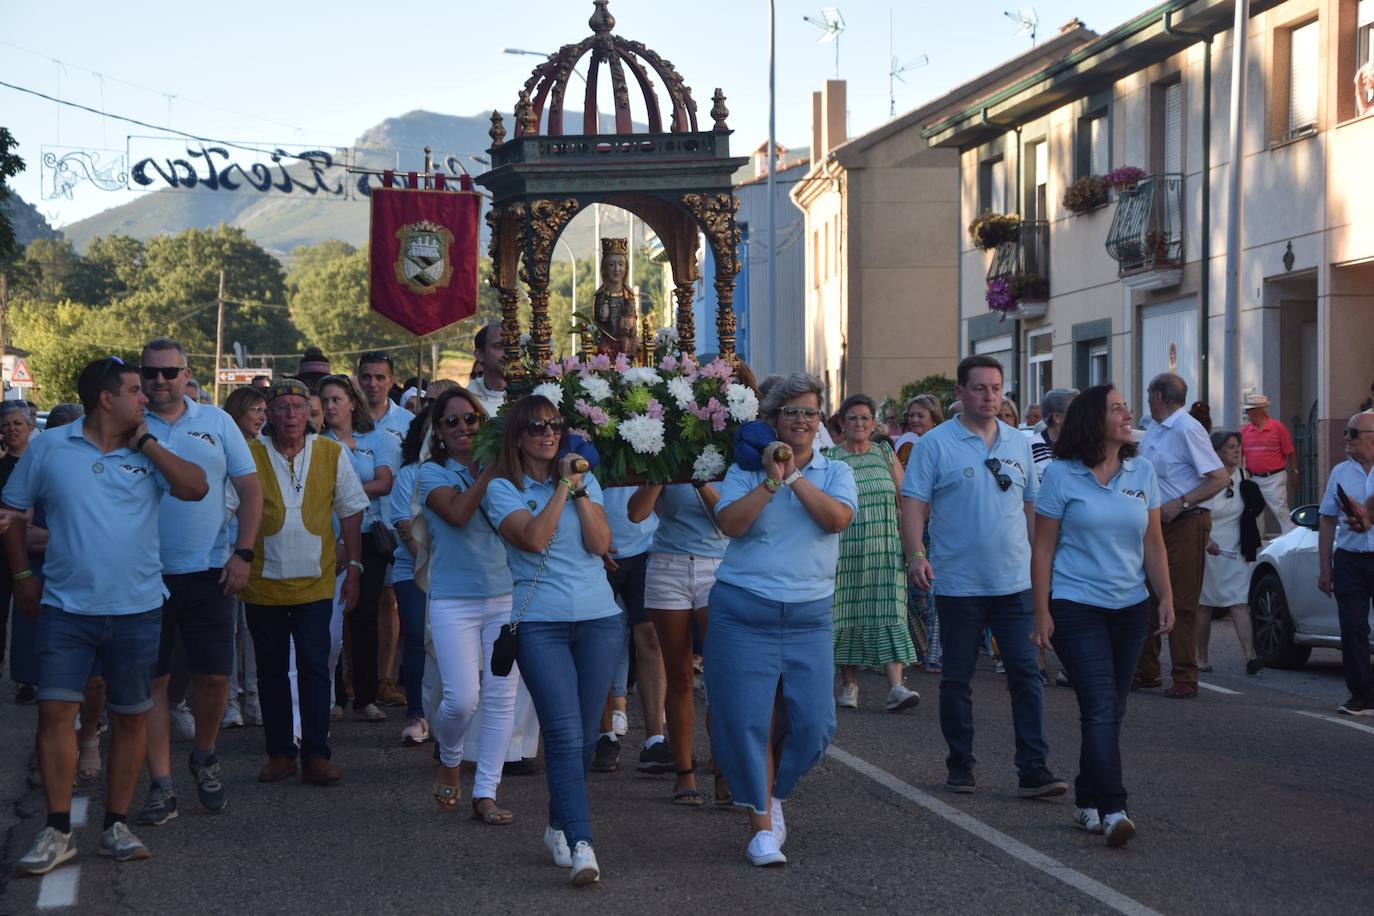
[677,180]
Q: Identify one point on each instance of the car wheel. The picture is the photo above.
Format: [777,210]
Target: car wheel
[1273,625]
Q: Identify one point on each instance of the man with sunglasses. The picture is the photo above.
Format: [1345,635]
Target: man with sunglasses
[202,572]
[99,480]
[1348,573]
[974,477]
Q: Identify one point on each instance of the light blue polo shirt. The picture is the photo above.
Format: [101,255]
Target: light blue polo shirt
[978,541]
[467,561]
[1100,557]
[395,422]
[627,538]
[195,535]
[102,514]
[397,506]
[785,556]
[684,528]
[574,585]
[370,451]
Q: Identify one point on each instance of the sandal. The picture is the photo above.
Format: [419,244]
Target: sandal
[495,816]
[447,795]
[723,799]
[688,798]
[1181,691]
[88,764]
[1140,682]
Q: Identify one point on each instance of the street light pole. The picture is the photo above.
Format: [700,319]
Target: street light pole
[771,238]
[1230,385]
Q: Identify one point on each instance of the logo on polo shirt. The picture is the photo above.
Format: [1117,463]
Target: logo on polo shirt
[533,505]
[195,434]
[133,469]
[1135,494]
[1009,463]
[365,452]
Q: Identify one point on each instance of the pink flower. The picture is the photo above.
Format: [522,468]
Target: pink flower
[719,369]
[600,362]
[690,369]
[570,364]
[554,369]
[655,411]
[591,412]
[622,362]
[714,411]
[669,363]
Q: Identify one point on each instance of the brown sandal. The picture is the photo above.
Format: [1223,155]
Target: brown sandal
[495,816]
[88,764]
[446,795]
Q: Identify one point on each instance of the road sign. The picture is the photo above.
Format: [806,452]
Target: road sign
[20,377]
[241,376]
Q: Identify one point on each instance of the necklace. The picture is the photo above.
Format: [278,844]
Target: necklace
[295,482]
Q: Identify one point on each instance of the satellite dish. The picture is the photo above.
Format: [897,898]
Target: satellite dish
[1027,22]
[831,24]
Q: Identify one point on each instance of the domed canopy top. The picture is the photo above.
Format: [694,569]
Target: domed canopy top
[548,85]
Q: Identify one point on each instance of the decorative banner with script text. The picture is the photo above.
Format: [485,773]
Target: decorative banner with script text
[424,257]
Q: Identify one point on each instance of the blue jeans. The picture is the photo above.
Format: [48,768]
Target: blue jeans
[124,644]
[1099,648]
[411,601]
[962,621]
[568,668]
[274,629]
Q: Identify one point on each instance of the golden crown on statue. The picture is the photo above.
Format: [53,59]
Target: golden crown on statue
[615,246]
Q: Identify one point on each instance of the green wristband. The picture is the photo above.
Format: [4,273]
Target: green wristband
[22,574]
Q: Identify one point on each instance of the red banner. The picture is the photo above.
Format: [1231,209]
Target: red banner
[424,257]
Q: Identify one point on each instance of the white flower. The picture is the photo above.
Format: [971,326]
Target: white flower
[681,390]
[551,392]
[641,375]
[597,387]
[668,336]
[709,464]
[645,434]
[743,403]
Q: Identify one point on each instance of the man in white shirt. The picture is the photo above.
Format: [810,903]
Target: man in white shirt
[1189,473]
[490,388]
[1349,573]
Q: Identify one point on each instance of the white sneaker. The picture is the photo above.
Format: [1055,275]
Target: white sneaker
[901,697]
[779,823]
[120,844]
[233,716]
[252,709]
[584,868]
[183,723]
[415,733]
[50,849]
[849,697]
[763,850]
[1087,819]
[558,845]
[620,723]
[1118,828]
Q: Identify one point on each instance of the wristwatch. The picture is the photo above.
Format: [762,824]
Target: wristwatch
[245,554]
[579,493]
[792,478]
[1183,501]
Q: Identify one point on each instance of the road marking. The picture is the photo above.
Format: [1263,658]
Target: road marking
[1205,686]
[1339,720]
[58,888]
[79,808]
[1012,847]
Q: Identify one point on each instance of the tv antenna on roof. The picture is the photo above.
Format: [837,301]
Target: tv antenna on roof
[895,73]
[1026,21]
[831,25]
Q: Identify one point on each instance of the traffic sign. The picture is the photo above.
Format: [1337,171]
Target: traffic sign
[20,377]
[241,376]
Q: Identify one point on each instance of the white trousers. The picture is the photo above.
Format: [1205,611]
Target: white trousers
[1275,490]
[463,631]
[336,622]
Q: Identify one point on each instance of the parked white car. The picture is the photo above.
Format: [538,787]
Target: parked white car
[1290,615]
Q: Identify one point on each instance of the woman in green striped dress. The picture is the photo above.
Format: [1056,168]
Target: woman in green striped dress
[870,584]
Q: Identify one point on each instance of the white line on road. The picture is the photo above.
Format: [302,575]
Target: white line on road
[1337,720]
[59,888]
[1012,847]
[79,809]
[1205,686]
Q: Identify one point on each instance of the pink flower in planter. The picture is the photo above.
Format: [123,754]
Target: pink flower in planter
[719,369]
[591,412]
[655,410]
[669,363]
[600,362]
[622,362]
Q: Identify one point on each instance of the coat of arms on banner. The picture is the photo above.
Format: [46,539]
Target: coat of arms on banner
[423,263]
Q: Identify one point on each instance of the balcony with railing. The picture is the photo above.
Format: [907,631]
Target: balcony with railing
[1021,266]
[1146,237]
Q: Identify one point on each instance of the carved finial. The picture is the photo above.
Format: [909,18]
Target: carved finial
[602,21]
[526,121]
[498,129]
[718,110]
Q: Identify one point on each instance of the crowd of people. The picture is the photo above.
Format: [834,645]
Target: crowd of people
[328,545]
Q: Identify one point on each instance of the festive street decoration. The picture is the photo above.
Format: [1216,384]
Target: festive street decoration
[424,257]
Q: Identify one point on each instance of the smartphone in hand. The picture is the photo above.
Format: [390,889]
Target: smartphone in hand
[1347,504]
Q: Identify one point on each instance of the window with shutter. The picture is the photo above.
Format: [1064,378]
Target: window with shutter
[997,202]
[1098,144]
[1302,80]
[1364,56]
[1173,128]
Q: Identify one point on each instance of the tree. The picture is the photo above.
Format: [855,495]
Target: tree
[941,386]
[10,165]
[114,266]
[328,295]
[61,339]
[49,272]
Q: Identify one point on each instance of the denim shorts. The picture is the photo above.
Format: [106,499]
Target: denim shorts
[676,582]
[124,644]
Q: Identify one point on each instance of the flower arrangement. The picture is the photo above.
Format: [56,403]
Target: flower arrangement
[1000,297]
[1157,244]
[1124,178]
[1030,286]
[671,422]
[992,229]
[1085,194]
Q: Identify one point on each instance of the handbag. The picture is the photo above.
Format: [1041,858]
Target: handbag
[507,644]
[383,538]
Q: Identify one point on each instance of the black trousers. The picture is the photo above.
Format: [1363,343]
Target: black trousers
[1352,579]
[362,630]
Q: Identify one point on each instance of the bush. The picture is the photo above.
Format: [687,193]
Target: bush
[941,386]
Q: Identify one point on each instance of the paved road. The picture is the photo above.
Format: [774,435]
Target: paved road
[1256,800]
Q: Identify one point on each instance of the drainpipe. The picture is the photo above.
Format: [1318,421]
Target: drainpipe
[1231,367]
[1205,292]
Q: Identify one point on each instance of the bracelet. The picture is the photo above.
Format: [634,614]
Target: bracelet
[771,485]
[142,439]
[22,574]
[358,564]
[918,555]
[567,483]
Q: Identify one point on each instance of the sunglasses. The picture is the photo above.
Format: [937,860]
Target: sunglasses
[809,414]
[167,372]
[452,420]
[994,465]
[1351,432]
[1230,491]
[539,427]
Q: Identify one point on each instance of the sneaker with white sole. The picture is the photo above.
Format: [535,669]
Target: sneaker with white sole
[1356,707]
[779,823]
[120,844]
[584,868]
[763,850]
[901,697]
[183,723]
[233,716]
[1118,828]
[209,784]
[159,807]
[50,849]
[558,845]
[1087,819]
[620,723]
[252,709]
[416,732]
[849,697]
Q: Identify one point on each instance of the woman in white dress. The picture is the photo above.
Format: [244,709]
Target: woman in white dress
[1226,579]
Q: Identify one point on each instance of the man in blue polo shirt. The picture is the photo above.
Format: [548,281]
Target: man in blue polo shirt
[975,477]
[99,480]
[200,572]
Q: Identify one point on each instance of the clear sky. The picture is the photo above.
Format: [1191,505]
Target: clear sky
[320,74]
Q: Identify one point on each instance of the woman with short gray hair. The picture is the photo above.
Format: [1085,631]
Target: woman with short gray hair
[1053,405]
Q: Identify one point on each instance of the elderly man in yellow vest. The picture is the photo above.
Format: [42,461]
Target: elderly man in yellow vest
[307,482]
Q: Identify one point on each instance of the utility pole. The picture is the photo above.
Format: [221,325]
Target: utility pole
[771,189]
[219,334]
[4,309]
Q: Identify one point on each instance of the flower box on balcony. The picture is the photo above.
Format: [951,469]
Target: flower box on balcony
[1087,193]
[992,229]
[1124,178]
